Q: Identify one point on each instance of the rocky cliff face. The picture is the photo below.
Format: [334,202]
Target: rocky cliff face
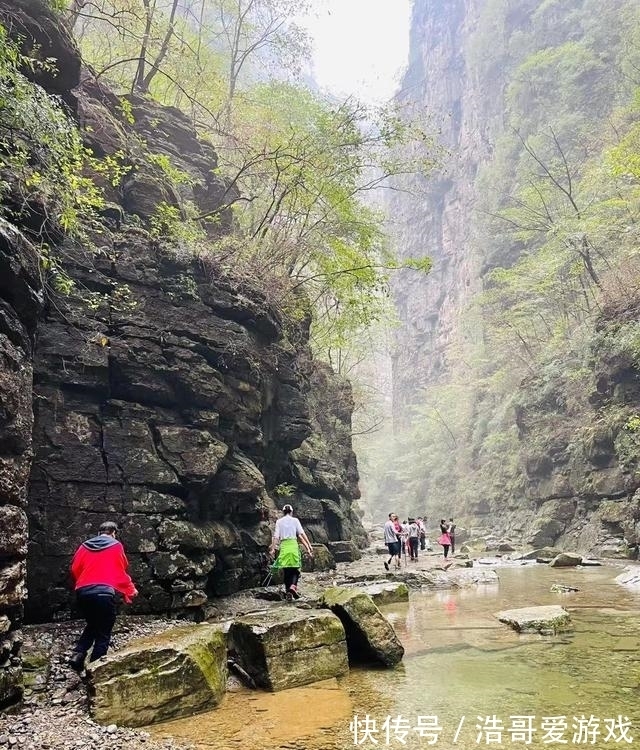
[169,407]
[580,450]
[169,395]
[435,218]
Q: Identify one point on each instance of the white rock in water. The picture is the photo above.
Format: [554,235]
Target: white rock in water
[630,577]
[112,728]
[546,620]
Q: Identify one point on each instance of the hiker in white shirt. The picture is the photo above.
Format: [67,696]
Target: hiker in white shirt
[287,533]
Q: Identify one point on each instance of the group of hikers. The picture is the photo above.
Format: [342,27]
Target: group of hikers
[99,571]
[411,535]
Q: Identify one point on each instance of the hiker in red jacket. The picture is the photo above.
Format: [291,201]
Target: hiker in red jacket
[99,570]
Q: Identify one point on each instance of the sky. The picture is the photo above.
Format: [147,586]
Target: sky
[360,46]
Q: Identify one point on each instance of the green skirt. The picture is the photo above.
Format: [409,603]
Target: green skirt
[289,555]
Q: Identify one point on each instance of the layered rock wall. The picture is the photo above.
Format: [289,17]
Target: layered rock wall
[167,408]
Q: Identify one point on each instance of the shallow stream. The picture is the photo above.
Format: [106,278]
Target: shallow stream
[487,685]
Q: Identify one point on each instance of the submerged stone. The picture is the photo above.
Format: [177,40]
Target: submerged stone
[370,636]
[178,673]
[546,620]
[561,588]
[289,647]
[388,592]
[630,577]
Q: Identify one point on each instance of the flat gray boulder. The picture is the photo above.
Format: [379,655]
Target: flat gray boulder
[466,577]
[545,554]
[370,636]
[547,620]
[289,647]
[566,560]
[177,673]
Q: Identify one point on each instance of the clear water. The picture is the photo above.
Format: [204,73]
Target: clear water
[471,672]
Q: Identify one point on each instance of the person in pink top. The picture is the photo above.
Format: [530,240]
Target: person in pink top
[444,539]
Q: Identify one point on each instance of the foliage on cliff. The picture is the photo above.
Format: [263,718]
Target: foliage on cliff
[297,165]
[42,157]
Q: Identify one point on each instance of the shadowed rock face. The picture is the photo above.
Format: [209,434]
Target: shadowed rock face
[370,636]
[20,302]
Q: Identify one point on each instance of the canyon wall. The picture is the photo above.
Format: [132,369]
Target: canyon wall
[146,384]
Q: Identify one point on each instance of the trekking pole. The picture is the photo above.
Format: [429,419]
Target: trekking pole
[267,580]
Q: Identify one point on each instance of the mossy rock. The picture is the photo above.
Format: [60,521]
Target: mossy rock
[370,636]
[322,559]
[289,647]
[177,673]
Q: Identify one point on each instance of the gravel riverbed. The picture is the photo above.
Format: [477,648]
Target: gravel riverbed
[54,713]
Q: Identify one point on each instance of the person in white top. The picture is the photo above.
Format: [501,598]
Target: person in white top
[287,533]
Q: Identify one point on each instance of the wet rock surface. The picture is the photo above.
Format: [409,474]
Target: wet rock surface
[289,647]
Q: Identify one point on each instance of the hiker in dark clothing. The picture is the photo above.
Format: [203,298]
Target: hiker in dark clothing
[414,539]
[452,535]
[99,571]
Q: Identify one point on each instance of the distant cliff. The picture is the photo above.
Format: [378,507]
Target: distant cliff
[514,375]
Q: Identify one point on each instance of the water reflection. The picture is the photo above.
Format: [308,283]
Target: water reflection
[464,667]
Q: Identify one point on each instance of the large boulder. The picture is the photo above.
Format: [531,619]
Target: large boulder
[290,647]
[178,673]
[370,636]
[541,554]
[566,560]
[547,620]
[322,559]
